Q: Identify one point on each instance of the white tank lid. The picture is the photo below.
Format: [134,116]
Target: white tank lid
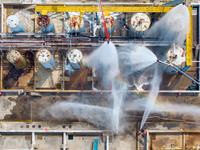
[12,21]
[176,55]
[43,55]
[140,22]
[75,56]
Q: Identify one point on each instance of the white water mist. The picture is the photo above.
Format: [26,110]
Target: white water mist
[173,26]
[119,88]
[182,109]
[100,116]
[105,61]
[135,58]
[166,107]
[155,84]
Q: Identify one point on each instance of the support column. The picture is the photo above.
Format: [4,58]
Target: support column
[147,140]
[32,140]
[64,141]
[2,8]
[199,61]
[107,142]
[183,140]
[199,41]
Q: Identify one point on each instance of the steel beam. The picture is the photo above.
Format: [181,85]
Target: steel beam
[2,9]
[189,41]
[199,65]
[86,132]
[108,91]
[174,3]
[44,9]
[173,131]
[1,67]
[199,41]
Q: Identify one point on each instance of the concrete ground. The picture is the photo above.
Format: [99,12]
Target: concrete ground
[27,112]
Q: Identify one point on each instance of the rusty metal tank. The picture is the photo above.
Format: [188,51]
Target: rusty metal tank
[15,58]
[45,24]
[75,23]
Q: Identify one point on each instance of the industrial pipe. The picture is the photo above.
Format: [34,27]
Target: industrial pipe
[178,69]
[108,91]
[99,91]
[12,91]
[14,24]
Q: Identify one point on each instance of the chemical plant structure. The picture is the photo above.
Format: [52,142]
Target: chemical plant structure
[99,75]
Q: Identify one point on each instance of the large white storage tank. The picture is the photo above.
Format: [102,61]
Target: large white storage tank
[140,22]
[14,24]
[75,57]
[46,59]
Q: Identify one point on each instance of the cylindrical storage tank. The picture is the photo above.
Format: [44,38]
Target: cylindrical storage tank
[45,24]
[176,55]
[46,59]
[140,22]
[110,21]
[14,24]
[75,24]
[15,58]
[75,58]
